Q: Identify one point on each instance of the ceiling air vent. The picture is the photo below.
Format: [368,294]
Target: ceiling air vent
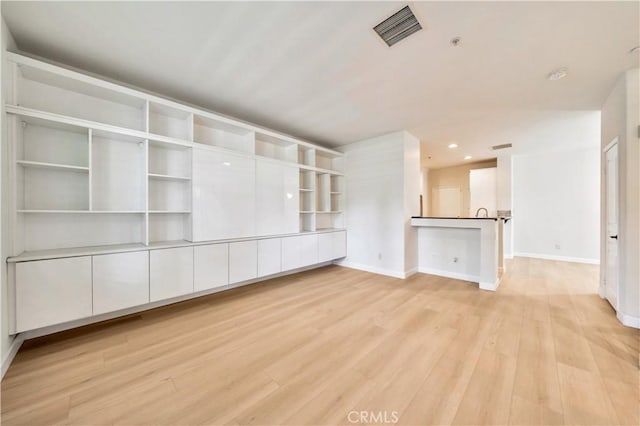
[503,146]
[398,26]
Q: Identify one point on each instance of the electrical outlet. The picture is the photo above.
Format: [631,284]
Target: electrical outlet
[455,260]
[557,246]
[379,256]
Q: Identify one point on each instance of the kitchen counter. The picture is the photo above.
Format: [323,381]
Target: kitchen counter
[466,248]
[505,218]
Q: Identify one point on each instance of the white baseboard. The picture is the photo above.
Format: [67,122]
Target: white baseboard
[628,320]
[410,272]
[374,269]
[489,286]
[601,291]
[11,354]
[559,258]
[449,274]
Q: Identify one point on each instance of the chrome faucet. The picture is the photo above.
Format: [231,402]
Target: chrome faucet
[486,212]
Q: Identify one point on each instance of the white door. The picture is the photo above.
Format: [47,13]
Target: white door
[447,202]
[483,189]
[611,272]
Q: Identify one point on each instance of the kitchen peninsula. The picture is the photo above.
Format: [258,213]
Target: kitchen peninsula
[469,249]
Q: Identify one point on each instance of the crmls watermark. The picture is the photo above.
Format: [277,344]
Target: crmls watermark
[373,417]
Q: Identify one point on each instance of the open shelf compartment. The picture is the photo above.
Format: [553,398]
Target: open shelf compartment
[221,134]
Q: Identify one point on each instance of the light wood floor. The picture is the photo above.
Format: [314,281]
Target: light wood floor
[310,348]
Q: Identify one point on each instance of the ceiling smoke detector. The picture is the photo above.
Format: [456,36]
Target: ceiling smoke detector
[398,26]
[557,74]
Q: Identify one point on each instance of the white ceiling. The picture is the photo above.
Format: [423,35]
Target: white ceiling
[318,71]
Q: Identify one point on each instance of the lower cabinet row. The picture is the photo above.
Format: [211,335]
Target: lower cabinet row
[55,291]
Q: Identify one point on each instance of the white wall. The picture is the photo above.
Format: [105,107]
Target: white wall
[412,177]
[6,341]
[454,177]
[556,205]
[620,118]
[379,205]
[505,199]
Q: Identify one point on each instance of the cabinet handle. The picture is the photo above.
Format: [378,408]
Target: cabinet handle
[615,237]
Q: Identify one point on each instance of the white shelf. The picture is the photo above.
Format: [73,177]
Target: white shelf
[83,211]
[100,164]
[335,193]
[168,177]
[53,166]
[169,211]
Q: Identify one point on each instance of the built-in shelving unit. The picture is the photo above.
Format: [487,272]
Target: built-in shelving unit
[99,164]
[113,186]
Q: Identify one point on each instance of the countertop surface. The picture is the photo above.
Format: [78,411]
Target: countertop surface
[465,217]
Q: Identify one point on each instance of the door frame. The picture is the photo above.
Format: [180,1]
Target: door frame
[603,262]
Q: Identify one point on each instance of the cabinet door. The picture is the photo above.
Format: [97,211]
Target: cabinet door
[269,257]
[171,273]
[325,247]
[243,261]
[299,251]
[52,292]
[120,281]
[339,244]
[210,266]
[277,196]
[223,195]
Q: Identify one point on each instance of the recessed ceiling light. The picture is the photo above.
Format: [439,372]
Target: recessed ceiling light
[557,74]
[453,145]
[468,157]
[635,49]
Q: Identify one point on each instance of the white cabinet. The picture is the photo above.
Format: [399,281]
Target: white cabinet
[210,266]
[277,198]
[52,292]
[299,251]
[171,273]
[332,245]
[269,256]
[243,261]
[223,195]
[120,281]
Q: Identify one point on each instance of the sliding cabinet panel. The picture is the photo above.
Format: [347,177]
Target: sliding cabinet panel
[269,256]
[171,273]
[52,292]
[223,195]
[276,198]
[299,251]
[243,261]
[120,281]
[211,266]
